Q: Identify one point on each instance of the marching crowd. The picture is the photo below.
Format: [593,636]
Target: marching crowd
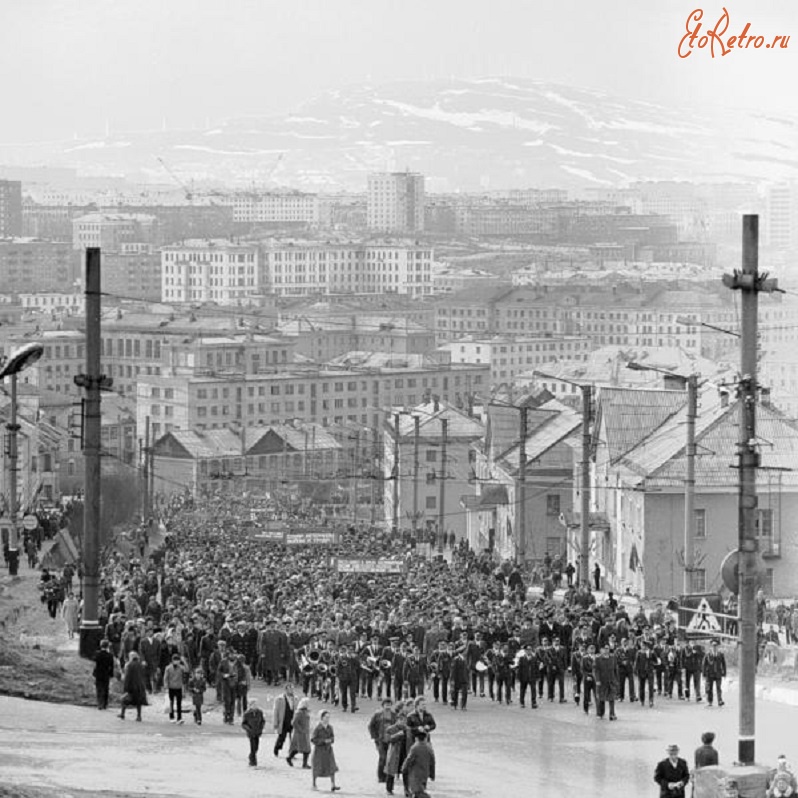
[216,607]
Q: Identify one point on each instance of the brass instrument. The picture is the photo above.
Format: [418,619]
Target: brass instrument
[385,665]
[308,669]
[517,660]
[314,656]
[332,670]
[433,667]
[322,668]
[481,665]
[370,665]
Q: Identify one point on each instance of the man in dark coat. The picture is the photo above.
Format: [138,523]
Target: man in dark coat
[459,675]
[253,723]
[605,669]
[714,669]
[692,658]
[419,767]
[103,671]
[556,665]
[527,670]
[672,774]
[644,670]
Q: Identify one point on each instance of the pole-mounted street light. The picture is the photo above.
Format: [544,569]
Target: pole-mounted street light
[691,381]
[18,361]
[584,544]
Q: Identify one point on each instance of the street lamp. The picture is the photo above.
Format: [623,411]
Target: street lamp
[22,358]
[584,545]
[691,382]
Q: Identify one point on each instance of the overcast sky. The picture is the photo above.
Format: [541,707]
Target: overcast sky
[69,65]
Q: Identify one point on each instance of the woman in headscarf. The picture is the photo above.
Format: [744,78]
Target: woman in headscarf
[300,736]
[134,686]
[323,762]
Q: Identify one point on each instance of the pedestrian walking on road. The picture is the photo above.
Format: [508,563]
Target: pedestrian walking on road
[253,723]
[379,724]
[70,612]
[300,735]
[672,774]
[174,677]
[197,684]
[714,670]
[323,762]
[419,767]
[103,671]
[283,716]
[133,685]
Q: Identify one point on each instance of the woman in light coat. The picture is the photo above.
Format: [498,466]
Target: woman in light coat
[70,613]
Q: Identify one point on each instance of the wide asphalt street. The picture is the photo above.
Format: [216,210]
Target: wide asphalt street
[486,751]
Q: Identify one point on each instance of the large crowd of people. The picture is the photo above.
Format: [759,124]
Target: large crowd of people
[218,605]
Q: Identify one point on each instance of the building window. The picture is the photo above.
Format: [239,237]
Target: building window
[553,504]
[699,580]
[700,523]
[431,502]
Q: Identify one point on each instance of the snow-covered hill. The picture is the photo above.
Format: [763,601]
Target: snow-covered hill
[463,134]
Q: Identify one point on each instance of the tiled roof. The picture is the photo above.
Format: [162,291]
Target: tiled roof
[626,416]
[310,436]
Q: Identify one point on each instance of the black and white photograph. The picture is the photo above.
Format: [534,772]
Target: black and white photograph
[398,397]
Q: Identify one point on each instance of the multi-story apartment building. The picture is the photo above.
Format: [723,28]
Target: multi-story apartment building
[324,337]
[133,273]
[395,202]
[110,231]
[467,312]
[64,357]
[210,270]
[141,344]
[53,302]
[509,356]
[28,264]
[275,207]
[782,215]
[304,269]
[429,488]
[327,395]
[10,208]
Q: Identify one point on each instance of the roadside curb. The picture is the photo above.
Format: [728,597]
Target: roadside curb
[765,692]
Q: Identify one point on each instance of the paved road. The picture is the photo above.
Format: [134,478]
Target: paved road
[486,751]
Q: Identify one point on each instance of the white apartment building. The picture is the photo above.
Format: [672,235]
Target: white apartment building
[275,206]
[309,268]
[395,202]
[782,215]
[212,270]
[54,301]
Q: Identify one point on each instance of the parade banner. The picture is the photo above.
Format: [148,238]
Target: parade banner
[309,538]
[352,566]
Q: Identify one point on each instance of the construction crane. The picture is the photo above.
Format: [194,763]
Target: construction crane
[188,192]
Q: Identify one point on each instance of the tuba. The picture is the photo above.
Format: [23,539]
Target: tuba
[314,656]
[322,668]
[385,665]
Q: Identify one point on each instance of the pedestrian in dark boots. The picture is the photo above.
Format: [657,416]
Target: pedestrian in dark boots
[252,723]
[300,735]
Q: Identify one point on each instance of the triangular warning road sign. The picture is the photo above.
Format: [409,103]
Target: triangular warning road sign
[704,619]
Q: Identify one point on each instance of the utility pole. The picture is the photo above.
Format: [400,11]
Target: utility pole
[584,550]
[689,484]
[521,550]
[355,461]
[145,456]
[750,284]
[373,471]
[13,467]
[395,474]
[416,435]
[442,487]
[92,382]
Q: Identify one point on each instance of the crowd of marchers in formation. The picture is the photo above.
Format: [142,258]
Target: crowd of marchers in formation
[216,607]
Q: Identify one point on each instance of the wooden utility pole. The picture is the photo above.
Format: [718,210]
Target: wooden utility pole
[442,486]
[521,520]
[584,545]
[689,484]
[145,473]
[749,283]
[416,435]
[395,474]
